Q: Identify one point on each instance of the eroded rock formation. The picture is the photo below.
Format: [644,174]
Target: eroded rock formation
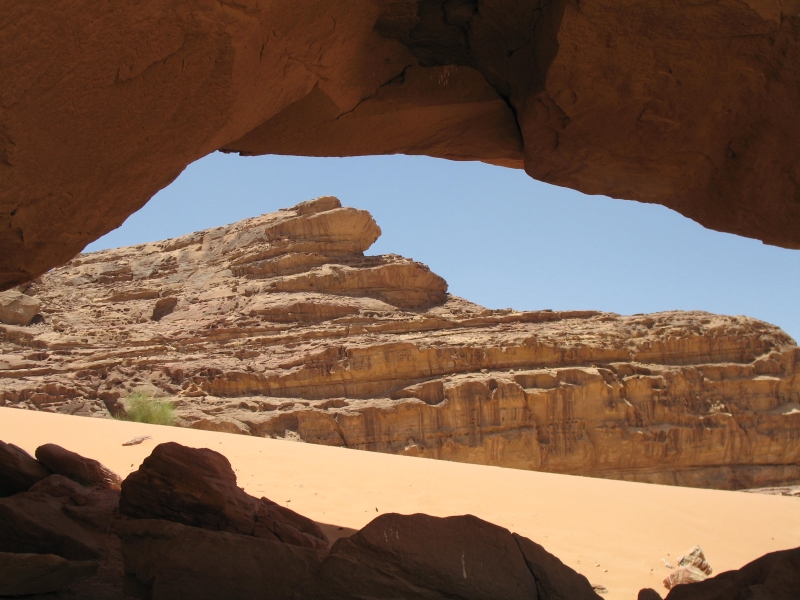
[692,105]
[414,557]
[280,326]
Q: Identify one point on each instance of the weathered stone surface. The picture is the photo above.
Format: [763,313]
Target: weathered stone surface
[687,104]
[197,487]
[696,558]
[85,471]
[27,574]
[16,308]
[283,328]
[170,560]
[683,576]
[554,579]
[424,557]
[18,470]
[774,576]
[35,523]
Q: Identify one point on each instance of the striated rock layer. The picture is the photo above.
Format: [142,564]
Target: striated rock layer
[280,326]
[689,104]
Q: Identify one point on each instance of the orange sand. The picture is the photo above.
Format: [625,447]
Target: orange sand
[625,528]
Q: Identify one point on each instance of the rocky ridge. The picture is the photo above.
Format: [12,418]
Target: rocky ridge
[280,326]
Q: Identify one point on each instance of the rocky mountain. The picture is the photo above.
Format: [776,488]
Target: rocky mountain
[281,326]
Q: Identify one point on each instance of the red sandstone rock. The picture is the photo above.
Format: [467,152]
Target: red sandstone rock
[28,574]
[18,470]
[197,487]
[167,560]
[419,556]
[35,523]
[687,104]
[554,579]
[85,471]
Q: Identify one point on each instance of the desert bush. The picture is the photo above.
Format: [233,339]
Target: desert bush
[142,407]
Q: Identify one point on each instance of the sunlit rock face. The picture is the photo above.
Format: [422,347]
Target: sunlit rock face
[689,104]
[281,326]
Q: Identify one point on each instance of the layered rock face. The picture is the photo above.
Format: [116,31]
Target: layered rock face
[691,105]
[280,326]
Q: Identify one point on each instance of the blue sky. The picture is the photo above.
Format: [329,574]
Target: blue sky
[498,237]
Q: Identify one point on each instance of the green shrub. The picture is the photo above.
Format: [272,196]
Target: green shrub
[144,408]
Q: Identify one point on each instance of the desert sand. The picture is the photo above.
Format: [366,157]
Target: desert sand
[614,532]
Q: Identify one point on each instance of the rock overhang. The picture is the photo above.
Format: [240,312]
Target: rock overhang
[683,104]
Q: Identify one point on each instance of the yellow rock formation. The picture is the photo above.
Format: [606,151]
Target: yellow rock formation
[279,326]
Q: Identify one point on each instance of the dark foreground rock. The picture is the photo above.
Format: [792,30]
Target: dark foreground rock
[27,574]
[85,471]
[554,579]
[197,487]
[18,470]
[35,523]
[210,540]
[166,560]
[774,576]
[424,557]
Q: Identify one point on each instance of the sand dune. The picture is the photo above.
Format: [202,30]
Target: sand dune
[625,528]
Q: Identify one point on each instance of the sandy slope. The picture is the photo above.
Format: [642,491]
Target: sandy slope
[624,527]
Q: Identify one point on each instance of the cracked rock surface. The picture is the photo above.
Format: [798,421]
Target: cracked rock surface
[689,104]
[281,326]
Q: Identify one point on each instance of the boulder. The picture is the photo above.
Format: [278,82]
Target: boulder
[696,558]
[35,523]
[165,560]
[64,488]
[554,579]
[17,309]
[774,576]
[648,594]
[26,574]
[18,470]
[85,471]
[684,575]
[424,557]
[197,487]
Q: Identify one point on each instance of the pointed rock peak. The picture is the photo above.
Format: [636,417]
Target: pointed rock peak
[317,205]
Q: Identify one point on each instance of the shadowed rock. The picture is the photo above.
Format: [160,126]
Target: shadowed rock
[18,470]
[170,560]
[197,487]
[85,471]
[689,104]
[27,574]
[424,557]
[554,579]
[34,523]
[774,576]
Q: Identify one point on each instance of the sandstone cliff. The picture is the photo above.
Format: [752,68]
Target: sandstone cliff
[689,104]
[280,326]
